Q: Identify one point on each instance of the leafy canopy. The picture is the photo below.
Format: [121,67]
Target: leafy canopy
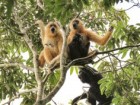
[121,69]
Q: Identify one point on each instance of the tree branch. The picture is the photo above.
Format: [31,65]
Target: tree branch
[103,72]
[40,4]
[16,64]
[46,78]
[35,57]
[18,95]
[121,48]
[135,4]
[84,60]
[89,58]
[12,99]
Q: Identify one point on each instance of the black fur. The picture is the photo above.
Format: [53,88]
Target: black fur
[91,76]
[79,47]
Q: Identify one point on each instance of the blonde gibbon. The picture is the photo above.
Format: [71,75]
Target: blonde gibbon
[51,36]
[77,27]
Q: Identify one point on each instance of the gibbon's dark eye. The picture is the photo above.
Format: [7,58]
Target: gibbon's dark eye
[76,21]
[75,24]
[53,25]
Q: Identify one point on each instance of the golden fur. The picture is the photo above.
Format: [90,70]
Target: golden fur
[101,40]
[51,36]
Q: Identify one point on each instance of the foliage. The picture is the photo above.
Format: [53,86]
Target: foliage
[121,69]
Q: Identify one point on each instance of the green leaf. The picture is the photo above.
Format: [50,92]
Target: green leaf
[86,2]
[123,52]
[59,8]
[76,69]
[71,70]
[135,84]
[9,6]
[102,88]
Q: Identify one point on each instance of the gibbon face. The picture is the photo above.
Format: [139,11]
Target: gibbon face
[76,24]
[52,29]
[52,34]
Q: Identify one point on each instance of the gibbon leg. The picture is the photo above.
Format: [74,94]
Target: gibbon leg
[41,59]
[48,56]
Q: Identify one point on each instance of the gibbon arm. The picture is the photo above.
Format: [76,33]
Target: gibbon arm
[75,100]
[42,28]
[55,63]
[101,40]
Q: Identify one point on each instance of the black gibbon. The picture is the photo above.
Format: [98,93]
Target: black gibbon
[51,36]
[91,76]
[78,47]
[76,26]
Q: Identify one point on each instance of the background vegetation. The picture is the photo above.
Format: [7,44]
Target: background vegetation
[121,68]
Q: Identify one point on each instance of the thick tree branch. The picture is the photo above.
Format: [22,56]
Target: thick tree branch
[35,57]
[84,60]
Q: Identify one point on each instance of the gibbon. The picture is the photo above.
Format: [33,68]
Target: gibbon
[51,36]
[91,76]
[77,27]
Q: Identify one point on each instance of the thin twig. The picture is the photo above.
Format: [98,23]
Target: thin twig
[103,72]
[12,99]
[121,48]
[46,77]
[54,102]
[16,64]
[135,4]
[18,95]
